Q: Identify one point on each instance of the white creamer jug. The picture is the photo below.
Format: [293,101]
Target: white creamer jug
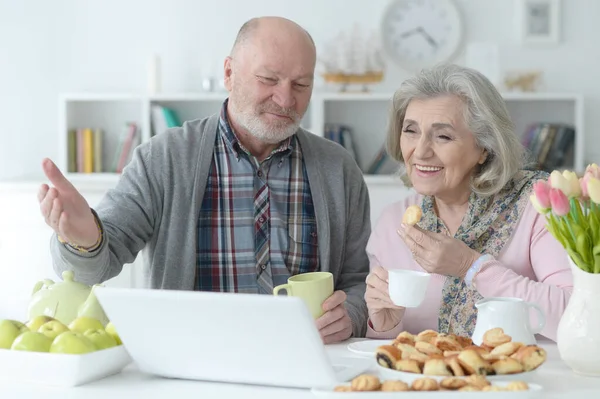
[510,314]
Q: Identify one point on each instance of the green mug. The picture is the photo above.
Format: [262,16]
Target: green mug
[314,288]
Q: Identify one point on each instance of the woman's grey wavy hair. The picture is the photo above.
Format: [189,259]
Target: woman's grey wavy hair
[486,116]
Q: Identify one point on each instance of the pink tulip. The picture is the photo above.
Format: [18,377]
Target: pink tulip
[593,170]
[583,182]
[560,202]
[542,193]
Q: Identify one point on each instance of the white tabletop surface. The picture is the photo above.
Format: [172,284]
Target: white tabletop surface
[557,380]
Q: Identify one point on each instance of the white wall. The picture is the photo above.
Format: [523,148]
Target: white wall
[74,45]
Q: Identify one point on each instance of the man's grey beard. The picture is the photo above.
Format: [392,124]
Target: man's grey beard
[270,134]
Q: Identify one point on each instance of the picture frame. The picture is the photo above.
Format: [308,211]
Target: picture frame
[539,21]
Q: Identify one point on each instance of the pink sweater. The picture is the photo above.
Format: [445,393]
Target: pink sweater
[533,266]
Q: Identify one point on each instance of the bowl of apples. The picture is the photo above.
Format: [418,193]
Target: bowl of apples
[44,350]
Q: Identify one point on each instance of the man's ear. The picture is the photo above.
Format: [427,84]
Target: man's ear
[228,73]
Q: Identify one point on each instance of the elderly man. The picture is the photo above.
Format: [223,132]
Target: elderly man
[236,202]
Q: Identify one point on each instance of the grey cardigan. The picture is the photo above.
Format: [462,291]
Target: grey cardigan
[154,208]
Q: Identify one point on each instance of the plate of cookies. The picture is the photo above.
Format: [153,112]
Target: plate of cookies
[366,386]
[438,356]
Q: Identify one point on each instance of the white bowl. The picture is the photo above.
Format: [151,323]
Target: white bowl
[63,370]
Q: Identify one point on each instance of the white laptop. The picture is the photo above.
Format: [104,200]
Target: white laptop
[226,337]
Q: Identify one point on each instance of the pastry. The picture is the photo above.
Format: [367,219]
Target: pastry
[412,215]
[387,356]
[507,366]
[478,381]
[446,343]
[405,338]
[425,384]
[394,386]
[427,348]
[454,365]
[421,358]
[452,383]
[530,356]
[495,337]
[464,341]
[506,349]
[436,367]
[426,336]
[343,388]
[365,383]
[473,363]
[517,386]
[408,366]
[406,350]
[478,349]
[451,353]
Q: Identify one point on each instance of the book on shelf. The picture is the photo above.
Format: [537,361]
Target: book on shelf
[342,135]
[87,147]
[163,118]
[550,145]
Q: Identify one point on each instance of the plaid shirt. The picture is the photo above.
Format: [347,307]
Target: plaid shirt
[257,223]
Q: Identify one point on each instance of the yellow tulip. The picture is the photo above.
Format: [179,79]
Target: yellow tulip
[537,206]
[593,186]
[560,182]
[574,186]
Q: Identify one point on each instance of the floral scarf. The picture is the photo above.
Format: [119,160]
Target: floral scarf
[486,227]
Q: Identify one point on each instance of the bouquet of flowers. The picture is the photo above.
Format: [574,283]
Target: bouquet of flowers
[572,207]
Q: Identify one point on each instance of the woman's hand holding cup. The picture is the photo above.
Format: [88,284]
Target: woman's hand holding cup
[383,313]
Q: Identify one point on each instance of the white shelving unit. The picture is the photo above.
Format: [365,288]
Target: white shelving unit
[365,113]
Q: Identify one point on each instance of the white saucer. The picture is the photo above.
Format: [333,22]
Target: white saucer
[368,347]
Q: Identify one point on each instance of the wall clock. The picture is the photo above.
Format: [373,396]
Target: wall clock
[418,34]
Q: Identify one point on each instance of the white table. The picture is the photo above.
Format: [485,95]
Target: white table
[556,378]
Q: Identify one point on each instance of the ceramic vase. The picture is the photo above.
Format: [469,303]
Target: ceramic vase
[578,334]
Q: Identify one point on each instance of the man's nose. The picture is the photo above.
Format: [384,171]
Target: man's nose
[284,96]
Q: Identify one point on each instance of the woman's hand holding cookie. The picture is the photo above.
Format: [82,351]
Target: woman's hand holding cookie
[383,313]
[438,253]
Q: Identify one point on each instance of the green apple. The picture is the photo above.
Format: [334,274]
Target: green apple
[32,341]
[84,323]
[112,331]
[72,342]
[35,323]
[52,329]
[9,331]
[101,339]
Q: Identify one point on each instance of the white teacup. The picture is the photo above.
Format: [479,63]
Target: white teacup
[407,288]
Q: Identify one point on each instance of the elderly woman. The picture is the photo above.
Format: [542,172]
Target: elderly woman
[479,235]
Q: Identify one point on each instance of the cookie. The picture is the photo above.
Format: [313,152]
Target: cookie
[452,383]
[507,366]
[387,356]
[405,338]
[365,383]
[530,356]
[394,386]
[425,384]
[446,343]
[454,365]
[469,388]
[506,349]
[473,363]
[478,381]
[426,336]
[412,215]
[495,337]
[436,367]
[408,366]
[427,348]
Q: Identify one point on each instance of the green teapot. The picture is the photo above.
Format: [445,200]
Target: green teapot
[65,301]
